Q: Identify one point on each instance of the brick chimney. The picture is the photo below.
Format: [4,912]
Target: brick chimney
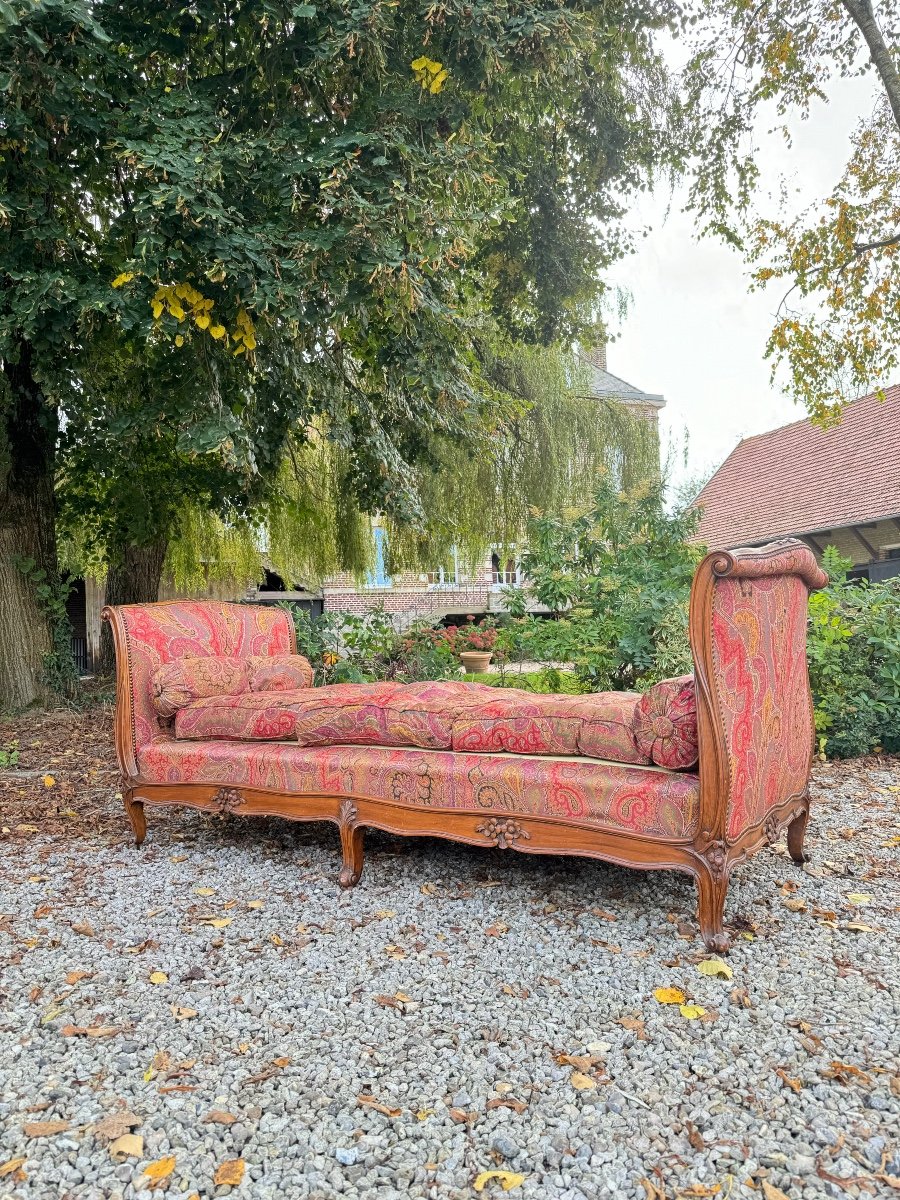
[597,356]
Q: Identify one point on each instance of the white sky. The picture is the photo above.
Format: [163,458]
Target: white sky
[693,331]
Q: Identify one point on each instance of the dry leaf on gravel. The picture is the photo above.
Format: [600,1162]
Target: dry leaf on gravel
[217,1116]
[691,1012]
[715,968]
[161,1169]
[84,928]
[203,891]
[507,1180]
[74,977]
[653,1190]
[459,1116]
[128,1145]
[14,1164]
[92,1031]
[276,1065]
[789,1081]
[183,1014]
[116,1124]
[371,1102]
[669,995]
[700,1189]
[36,1129]
[518,1106]
[230,1172]
[771,1192]
[217,922]
[582,1082]
[636,1025]
[254,903]
[158,977]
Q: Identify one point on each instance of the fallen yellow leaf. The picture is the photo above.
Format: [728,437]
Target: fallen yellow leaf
[217,922]
[49,781]
[860,898]
[582,1082]
[275,939]
[715,968]
[384,914]
[254,904]
[669,995]
[161,1169]
[130,1145]
[44,1128]
[159,977]
[183,1014]
[771,1192]
[203,891]
[691,1012]
[230,1172]
[12,1165]
[507,1180]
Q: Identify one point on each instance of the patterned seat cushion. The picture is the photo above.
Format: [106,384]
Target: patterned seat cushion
[596,726]
[178,683]
[636,799]
[357,714]
[665,725]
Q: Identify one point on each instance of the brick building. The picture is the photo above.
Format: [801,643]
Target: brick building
[831,487]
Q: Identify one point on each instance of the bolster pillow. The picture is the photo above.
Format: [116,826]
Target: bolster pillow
[665,723]
[184,680]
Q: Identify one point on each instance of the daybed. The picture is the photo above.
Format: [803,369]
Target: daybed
[214,710]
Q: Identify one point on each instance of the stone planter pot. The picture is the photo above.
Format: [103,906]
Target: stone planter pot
[475,661]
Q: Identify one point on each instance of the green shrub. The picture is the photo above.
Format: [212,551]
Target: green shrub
[854,662]
[618,576]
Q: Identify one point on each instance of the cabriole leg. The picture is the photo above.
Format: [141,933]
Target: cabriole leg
[711,891]
[796,832]
[135,809]
[352,849]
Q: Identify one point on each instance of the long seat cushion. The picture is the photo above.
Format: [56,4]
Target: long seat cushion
[433,716]
[639,799]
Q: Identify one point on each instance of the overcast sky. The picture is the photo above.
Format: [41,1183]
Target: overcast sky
[693,331]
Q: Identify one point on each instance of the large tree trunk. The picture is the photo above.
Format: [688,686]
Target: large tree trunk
[28,431]
[133,579]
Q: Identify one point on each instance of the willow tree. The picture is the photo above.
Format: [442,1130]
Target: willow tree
[837,264]
[292,207]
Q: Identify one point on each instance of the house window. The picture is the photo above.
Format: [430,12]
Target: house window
[446,575]
[893,552]
[504,572]
[378,577]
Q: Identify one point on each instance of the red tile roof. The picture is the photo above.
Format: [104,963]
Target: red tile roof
[802,479]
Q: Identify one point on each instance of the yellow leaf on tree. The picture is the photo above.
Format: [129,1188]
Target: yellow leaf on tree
[179,340]
[669,995]
[202,321]
[125,277]
[507,1180]
[161,1169]
[230,1172]
[715,967]
[691,1012]
[159,977]
[217,331]
[438,82]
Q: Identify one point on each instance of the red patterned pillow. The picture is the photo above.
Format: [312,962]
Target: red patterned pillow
[665,723]
[177,683]
[279,673]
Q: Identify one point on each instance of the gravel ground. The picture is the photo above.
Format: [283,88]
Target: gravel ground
[460,1011]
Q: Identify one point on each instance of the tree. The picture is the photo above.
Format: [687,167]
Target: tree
[292,211]
[838,326]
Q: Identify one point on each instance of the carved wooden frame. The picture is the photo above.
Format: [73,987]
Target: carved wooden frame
[709,857]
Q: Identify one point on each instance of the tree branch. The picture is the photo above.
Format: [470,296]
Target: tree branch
[862,13]
[862,247]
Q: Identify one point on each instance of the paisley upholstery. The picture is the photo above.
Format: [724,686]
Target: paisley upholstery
[665,723]
[597,726]
[156,634]
[279,673]
[644,800]
[432,716]
[760,676]
[176,684]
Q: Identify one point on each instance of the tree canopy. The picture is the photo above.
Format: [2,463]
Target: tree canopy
[837,329]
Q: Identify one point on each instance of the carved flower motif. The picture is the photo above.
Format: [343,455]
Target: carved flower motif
[502,832]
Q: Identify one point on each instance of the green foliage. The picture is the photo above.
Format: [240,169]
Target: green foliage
[361,648]
[854,662]
[9,754]
[620,572]
[836,265]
